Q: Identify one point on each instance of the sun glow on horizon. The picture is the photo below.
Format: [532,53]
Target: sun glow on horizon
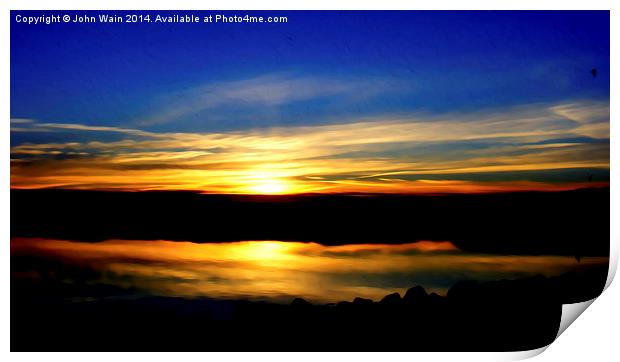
[269,187]
[411,155]
[266,183]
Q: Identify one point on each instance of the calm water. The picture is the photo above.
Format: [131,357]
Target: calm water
[275,270]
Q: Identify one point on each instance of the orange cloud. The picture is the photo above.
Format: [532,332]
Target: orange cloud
[380,155]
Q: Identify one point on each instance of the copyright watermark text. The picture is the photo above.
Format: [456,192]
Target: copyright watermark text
[147,18]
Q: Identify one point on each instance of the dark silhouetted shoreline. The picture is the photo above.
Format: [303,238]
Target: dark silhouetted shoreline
[560,223]
[505,315]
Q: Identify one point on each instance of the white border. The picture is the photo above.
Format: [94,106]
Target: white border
[595,332]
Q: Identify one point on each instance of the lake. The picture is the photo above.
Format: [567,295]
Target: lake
[272,270]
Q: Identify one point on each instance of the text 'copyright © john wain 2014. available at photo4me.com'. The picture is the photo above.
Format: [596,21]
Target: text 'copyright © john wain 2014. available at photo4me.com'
[147,18]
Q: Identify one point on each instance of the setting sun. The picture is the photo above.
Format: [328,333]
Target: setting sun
[269,186]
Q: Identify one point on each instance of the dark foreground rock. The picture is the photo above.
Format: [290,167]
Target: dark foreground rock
[496,316]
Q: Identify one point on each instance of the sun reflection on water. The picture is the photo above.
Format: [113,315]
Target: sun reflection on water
[275,270]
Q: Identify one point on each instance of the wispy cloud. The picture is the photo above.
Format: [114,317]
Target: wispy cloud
[263,91]
[382,154]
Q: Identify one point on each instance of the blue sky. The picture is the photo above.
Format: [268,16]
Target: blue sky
[318,69]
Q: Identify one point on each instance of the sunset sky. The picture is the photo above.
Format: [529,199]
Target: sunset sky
[328,102]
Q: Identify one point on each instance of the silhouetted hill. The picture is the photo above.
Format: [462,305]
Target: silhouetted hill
[569,222]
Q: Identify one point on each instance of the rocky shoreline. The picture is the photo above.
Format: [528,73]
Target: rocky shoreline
[501,315]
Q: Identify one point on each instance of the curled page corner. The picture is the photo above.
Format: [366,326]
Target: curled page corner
[523,355]
[613,264]
[570,312]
